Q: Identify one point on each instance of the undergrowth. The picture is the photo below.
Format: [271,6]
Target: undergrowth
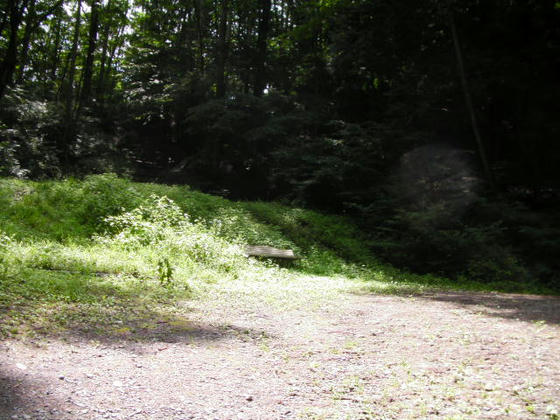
[81,248]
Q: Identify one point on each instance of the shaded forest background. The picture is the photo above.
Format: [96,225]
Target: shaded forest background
[357,107]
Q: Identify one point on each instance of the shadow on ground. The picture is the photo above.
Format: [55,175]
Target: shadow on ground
[19,398]
[82,307]
[529,308]
[118,323]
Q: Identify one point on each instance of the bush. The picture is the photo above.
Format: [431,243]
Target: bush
[162,226]
[5,242]
[146,224]
[104,195]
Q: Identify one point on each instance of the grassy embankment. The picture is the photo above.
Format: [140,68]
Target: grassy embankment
[104,255]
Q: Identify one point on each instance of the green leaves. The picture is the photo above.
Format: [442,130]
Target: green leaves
[165,272]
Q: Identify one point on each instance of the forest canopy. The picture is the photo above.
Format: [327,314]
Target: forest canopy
[434,124]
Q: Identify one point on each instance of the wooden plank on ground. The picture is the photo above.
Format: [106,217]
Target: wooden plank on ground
[270,252]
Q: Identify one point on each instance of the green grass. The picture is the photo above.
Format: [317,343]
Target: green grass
[77,253]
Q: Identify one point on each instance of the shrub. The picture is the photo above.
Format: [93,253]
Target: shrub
[145,224]
[161,225]
[165,272]
[5,242]
[103,195]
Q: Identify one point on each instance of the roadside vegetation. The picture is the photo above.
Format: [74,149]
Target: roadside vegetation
[102,253]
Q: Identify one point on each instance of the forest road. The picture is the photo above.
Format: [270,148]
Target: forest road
[441,355]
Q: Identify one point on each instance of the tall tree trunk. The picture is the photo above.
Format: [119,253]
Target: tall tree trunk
[32,22]
[55,54]
[69,91]
[468,99]
[8,66]
[105,34]
[112,53]
[92,45]
[264,26]
[222,52]
[69,117]
[199,14]
[184,41]
[30,26]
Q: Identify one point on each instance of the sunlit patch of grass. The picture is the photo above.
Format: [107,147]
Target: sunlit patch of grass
[281,290]
[83,246]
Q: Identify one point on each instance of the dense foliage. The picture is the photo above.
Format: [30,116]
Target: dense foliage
[433,124]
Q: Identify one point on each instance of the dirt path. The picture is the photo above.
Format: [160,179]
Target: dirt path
[452,355]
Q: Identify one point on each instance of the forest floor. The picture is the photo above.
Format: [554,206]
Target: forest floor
[333,353]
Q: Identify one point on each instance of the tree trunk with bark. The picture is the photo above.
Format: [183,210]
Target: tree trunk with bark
[264,27]
[222,52]
[55,53]
[30,26]
[9,63]
[199,15]
[468,98]
[92,45]
[69,117]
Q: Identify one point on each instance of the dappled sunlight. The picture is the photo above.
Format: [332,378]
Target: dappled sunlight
[281,290]
[279,209]
[111,315]
[146,251]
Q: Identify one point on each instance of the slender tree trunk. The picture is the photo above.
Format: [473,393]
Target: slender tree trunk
[92,45]
[55,55]
[32,22]
[8,66]
[184,42]
[222,52]
[69,117]
[468,99]
[199,13]
[112,53]
[264,26]
[100,88]
[105,34]
[69,91]
[30,26]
